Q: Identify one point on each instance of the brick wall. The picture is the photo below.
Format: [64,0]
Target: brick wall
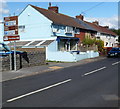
[81,36]
[27,59]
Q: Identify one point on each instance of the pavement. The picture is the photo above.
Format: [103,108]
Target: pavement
[51,66]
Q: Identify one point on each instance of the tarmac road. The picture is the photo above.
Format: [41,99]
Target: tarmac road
[90,85]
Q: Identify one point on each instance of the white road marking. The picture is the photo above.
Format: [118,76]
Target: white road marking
[93,71]
[51,86]
[115,63]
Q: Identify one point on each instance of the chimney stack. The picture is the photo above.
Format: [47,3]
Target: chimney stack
[81,17]
[53,8]
[96,22]
[106,27]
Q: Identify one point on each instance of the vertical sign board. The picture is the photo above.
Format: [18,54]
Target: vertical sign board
[11,28]
[11,33]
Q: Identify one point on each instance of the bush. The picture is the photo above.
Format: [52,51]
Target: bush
[90,42]
[100,44]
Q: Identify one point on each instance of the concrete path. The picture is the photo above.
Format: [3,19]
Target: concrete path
[10,75]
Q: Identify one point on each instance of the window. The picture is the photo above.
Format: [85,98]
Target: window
[98,37]
[22,28]
[62,27]
[56,29]
[77,31]
[68,29]
[106,43]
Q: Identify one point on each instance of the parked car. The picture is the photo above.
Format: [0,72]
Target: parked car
[5,50]
[114,52]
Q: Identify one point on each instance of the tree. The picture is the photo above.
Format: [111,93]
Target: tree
[117,32]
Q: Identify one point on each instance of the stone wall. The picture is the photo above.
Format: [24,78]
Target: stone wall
[5,61]
[27,59]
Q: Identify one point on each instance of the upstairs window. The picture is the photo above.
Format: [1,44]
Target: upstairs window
[77,31]
[56,29]
[22,28]
[68,29]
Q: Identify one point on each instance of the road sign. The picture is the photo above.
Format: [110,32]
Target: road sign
[11,28]
[11,38]
[11,32]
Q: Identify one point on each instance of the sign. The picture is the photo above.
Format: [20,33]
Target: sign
[11,38]
[7,28]
[11,28]
[11,18]
[11,33]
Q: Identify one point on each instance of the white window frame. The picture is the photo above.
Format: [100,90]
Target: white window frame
[56,29]
[68,29]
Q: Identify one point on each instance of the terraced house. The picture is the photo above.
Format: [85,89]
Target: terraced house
[59,34]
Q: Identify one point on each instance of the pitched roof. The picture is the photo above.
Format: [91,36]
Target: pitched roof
[106,30]
[86,25]
[101,29]
[61,19]
[58,18]
[36,43]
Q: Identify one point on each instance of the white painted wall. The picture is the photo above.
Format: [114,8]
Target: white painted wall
[52,54]
[36,25]
[108,38]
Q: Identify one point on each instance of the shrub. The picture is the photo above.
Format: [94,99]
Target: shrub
[89,42]
[100,44]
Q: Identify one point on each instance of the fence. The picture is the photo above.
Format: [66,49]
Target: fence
[88,48]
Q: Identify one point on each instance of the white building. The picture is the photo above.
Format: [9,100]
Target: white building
[41,26]
[105,34]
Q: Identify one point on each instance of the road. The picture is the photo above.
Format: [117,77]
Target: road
[90,85]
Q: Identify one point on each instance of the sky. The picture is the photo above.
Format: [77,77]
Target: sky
[105,12]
